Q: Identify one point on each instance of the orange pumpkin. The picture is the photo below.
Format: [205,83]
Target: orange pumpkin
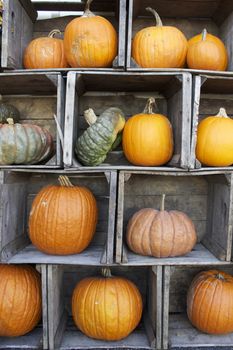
[63,218]
[162,233]
[206,51]
[214,140]
[90,41]
[107,308]
[20,300]
[46,52]
[159,46]
[147,138]
[209,302]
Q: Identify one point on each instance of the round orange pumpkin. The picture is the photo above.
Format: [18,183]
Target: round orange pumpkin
[214,140]
[63,218]
[107,308]
[147,138]
[162,233]
[209,302]
[206,51]
[45,52]
[20,300]
[90,41]
[159,46]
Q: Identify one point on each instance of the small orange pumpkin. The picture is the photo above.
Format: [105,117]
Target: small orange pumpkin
[206,51]
[45,52]
[20,299]
[162,233]
[63,218]
[107,308]
[147,138]
[90,41]
[209,302]
[159,46]
[214,140]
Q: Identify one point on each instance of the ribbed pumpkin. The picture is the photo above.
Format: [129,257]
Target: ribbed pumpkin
[159,46]
[209,302]
[147,138]
[214,140]
[107,308]
[24,143]
[45,52]
[94,144]
[90,41]
[206,51]
[161,233]
[63,218]
[8,111]
[20,299]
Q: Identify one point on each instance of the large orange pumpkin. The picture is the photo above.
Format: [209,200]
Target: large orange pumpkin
[45,52]
[107,308]
[214,140]
[90,41]
[147,138]
[206,51]
[63,218]
[209,302]
[20,299]
[159,46]
[161,233]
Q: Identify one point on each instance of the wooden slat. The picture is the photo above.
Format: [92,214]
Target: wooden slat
[120,214]
[44,285]
[166,300]
[111,218]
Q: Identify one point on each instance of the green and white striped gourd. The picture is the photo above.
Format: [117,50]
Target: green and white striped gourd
[8,111]
[94,144]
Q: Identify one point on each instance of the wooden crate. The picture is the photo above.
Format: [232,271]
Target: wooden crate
[64,335]
[207,200]
[210,92]
[178,332]
[38,97]
[38,337]
[128,91]
[190,16]
[20,25]
[17,191]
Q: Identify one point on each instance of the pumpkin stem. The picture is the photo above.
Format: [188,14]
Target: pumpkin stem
[87,12]
[162,208]
[204,34]
[219,276]
[10,121]
[1,98]
[222,113]
[149,106]
[90,116]
[156,15]
[106,272]
[64,181]
[54,32]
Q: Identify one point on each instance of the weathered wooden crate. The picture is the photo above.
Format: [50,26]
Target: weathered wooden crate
[178,332]
[17,191]
[207,200]
[190,16]
[210,92]
[20,25]
[38,97]
[38,337]
[128,91]
[63,333]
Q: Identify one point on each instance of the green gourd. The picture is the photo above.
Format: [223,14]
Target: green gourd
[8,111]
[24,143]
[94,144]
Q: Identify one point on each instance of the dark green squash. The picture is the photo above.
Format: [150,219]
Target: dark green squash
[94,144]
[8,111]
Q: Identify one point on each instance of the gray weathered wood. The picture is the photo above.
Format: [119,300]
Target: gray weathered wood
[120,213]
[44,285]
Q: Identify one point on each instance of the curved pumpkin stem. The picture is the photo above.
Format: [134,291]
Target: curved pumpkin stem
[204,34]
[106,272]
[90,116]
[10,121]
[219,276]
[150,105]
[159,23]
[222,113]
[162,208]
[54,32]
[87,12]
[64,181]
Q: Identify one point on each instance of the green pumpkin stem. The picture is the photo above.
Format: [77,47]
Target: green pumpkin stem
[106,272]
[156,15]
[204,34]
[90,116]
[222,113]
[10,121]
[219,276]
[54,32]
[64,181]
[162,208]
[87,12]
[150,105]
